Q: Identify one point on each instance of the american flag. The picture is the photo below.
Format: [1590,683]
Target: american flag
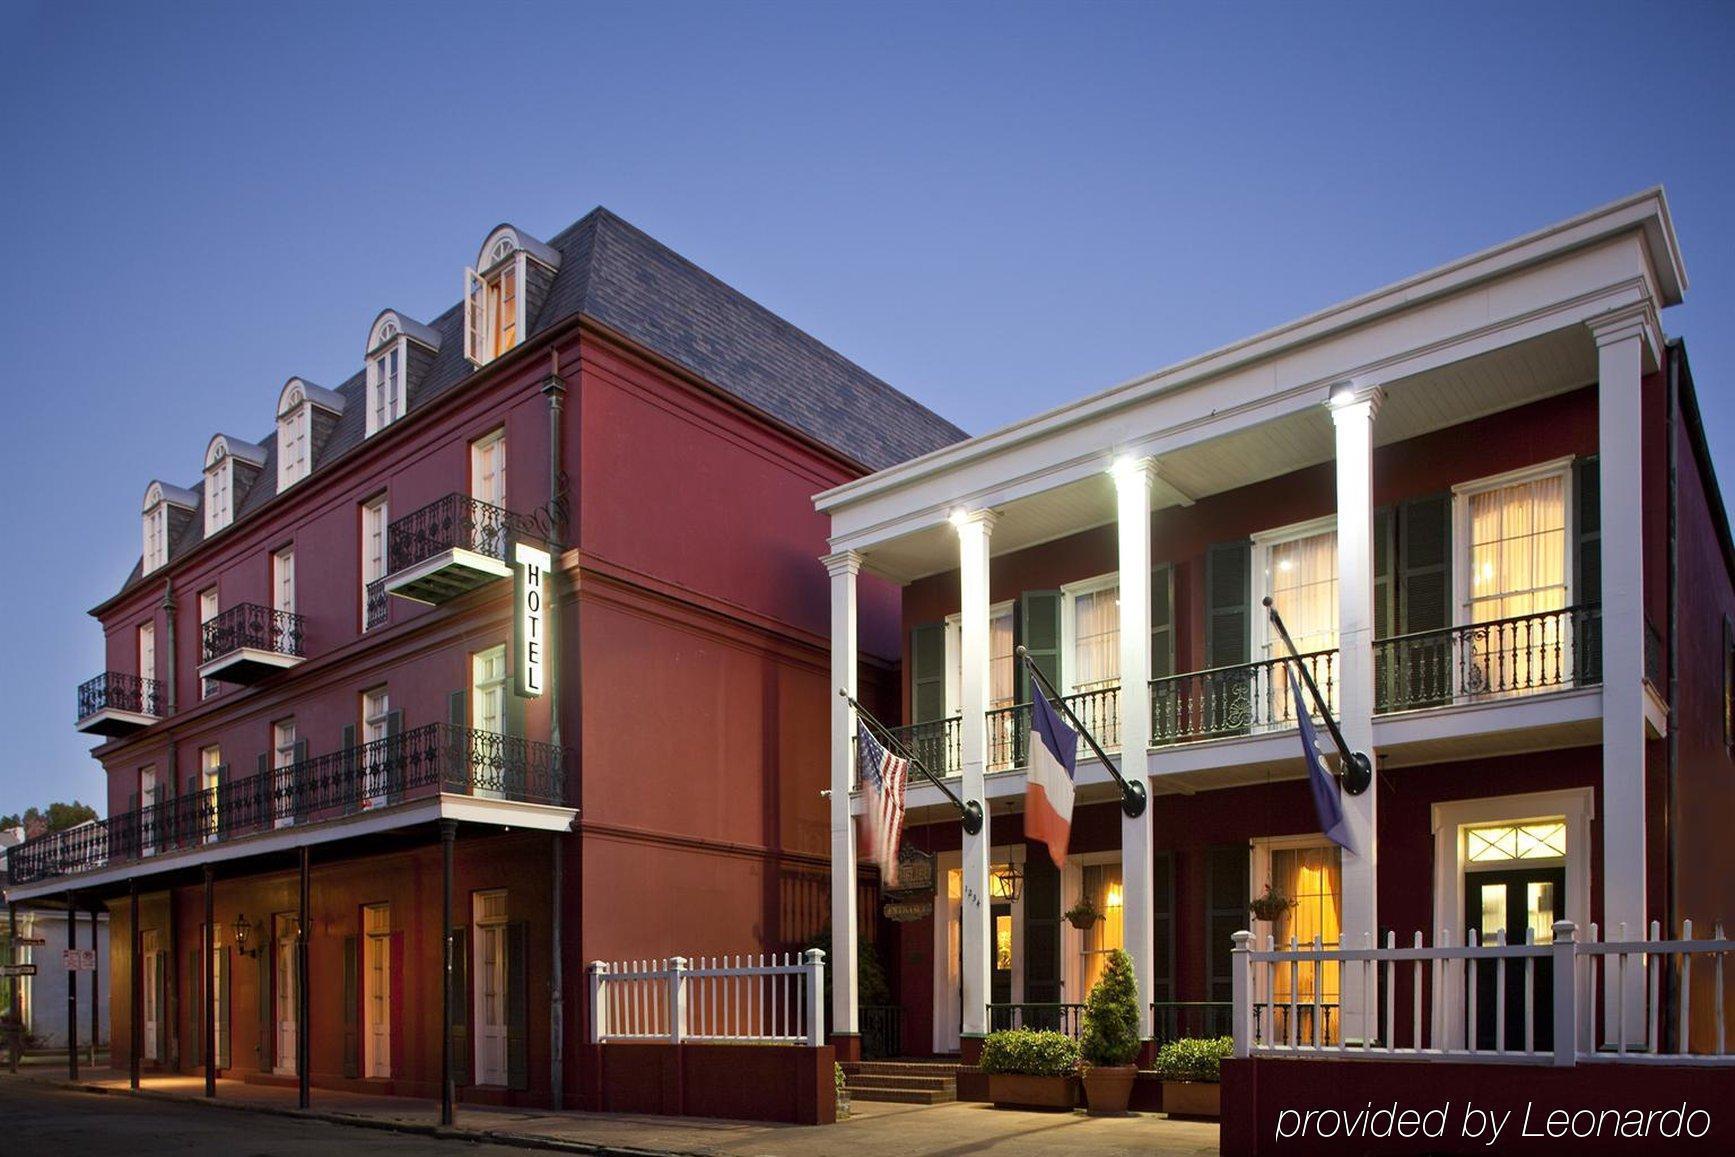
[883,776]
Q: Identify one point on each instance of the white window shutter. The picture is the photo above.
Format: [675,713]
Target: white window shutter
[474,336]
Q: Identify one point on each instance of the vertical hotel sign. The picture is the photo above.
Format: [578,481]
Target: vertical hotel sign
[530,619]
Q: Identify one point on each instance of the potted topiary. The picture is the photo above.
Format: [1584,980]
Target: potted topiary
[1083,914]
[1109,1041]
[1031,1069]
[1191,1069]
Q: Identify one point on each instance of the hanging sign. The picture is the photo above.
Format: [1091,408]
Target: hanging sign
[79,959]
[17,970]
[31,942]
[915,874]
[530,618]
[907,911]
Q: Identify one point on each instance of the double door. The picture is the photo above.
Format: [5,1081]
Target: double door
[1520,902]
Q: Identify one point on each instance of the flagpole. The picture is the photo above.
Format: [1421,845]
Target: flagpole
[1132,792]
[970,813]
[1362,776]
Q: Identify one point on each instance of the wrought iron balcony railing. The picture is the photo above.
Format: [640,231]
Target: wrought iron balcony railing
[118,691]
[418,763]
[379,607]
[1522,655]
[249,626]
[1009,727]
[935,743]
[455,522]
[1234,700]
[1052,1017]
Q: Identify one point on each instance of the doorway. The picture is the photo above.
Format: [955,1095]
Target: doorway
[284,984]
[151,956]
[1521,902]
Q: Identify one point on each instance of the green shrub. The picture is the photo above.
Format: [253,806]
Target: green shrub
[837,1076]
[1194,1059]
[1111,1015]
[1030,1052]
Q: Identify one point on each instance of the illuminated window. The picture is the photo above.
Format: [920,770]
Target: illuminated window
[1312,879]
[511,269]
[1102,887]
[1498,843]
[1003,943]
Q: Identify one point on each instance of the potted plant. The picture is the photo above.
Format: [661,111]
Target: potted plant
[1109,1041]
[842,1084]
[1191,1069]
[1031,1069]
[1269,905]
[1083,914]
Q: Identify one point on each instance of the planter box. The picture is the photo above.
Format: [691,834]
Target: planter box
[1016,1091]
[1192,1099]
[1108,1088]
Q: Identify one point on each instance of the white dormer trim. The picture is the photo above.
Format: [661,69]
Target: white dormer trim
[220,457]
[506,256]
[507,240]
[154,513]
[391,324]
[388,363]
[295,406]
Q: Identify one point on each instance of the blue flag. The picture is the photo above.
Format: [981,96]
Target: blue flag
[1325,795]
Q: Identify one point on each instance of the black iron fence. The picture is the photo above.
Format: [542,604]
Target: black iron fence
[118,691]
[1182,1019]
[1524,654]
[1066,1018]
[1009,727]
[379,607]
[935,743]
[253,627]
[424,761]
[455,522]
[1233,700]
[882,1031]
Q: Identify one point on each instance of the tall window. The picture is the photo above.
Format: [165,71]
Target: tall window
[210,780]
[377,990]
[293,459]
[1312,877]
[207,612]
[1299,572]
[374,515]
[488,469]
[283,580]
[219,493]
[503,309]
[1102,887]
[150,794]
[385,387]
[496,312]
[1090,624]
[376,713]
[1519,569]
[283,771]
[490,997]
[487,712]
[156,537]
[147,661]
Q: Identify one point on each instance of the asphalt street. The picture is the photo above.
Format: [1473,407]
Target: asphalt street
[37,1119]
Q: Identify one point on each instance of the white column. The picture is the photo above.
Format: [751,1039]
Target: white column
[843,568]
[973,530]
[1620,344]
[1132,477]
[1352,414]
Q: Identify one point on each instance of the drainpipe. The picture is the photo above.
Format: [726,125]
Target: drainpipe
[169,637]
[1671,416]
[554,389]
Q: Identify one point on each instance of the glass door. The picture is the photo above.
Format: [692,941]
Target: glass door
[1518,902]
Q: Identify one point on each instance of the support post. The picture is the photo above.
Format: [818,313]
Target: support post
[135,988]
[677,999]
[71,990]
[1241,990]
[1565,994]
[1353,409]
[208,969]
[845,1025]
[303,1049]
[448,834]
[973,528]
[95,995]
[815,960]
[15,1045]
[1132,478]
[1623,340]
[556,978]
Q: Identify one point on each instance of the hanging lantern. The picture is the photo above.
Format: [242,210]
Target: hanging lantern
[1006,882]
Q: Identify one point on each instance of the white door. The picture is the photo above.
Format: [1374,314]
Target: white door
[377,992]
[376,709]
[149,795]
[488,716]
[150,951]
[284,997]
[488,469]
[283,599]
[283,769]
[491,988]
[207,612]
[210,776]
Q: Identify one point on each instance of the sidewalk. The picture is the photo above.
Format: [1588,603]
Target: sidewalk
[872,1130]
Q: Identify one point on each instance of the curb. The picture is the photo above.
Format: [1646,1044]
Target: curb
[506,1137]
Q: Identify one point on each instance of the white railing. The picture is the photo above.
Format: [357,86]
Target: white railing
[1612,991]
[774,999]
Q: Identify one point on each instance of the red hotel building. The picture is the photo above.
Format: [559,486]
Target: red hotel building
[1482,501]
[313,690]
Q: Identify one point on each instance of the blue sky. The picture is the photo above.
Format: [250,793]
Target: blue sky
[997,207]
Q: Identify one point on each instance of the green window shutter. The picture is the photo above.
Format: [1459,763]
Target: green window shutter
[351,1009]
[928,672]
[458,709]
[1038,626]
[267,962]
[1228,603]
[518,1006]
[1041,929]
[1162,620]
[1425,564]
[225,1059]
[304,792]
[354,788]
[1385,603]
[1587,566]
[460,1006]
[262,794]
[1226,896]
[195,1005]
[395,769]
[1163,927]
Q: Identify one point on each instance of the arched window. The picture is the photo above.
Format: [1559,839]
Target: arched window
[305,413]
[501,292]
[222,458]
[396,346]
[165,510]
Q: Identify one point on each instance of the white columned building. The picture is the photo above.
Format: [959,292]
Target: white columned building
[1626,340]
[1353,409]
[843,566]
[974,527]
[1132,478]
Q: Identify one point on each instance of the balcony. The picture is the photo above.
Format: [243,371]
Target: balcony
[248,643]
[1484,662]
[446,549]
[427,762]
[1239,700]
[115,704]
[378,608]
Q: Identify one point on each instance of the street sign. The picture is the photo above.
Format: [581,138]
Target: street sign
[31,942]
[17,970]
[79,959]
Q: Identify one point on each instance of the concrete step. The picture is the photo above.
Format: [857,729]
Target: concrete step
[909,1084]
[904,1068]
[905,1096]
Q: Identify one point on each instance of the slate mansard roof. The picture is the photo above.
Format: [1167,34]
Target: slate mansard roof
[626,281]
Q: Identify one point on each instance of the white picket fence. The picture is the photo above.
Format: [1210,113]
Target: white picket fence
[765,999]
[1614,994]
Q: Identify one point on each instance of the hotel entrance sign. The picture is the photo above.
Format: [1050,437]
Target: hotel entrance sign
[530,568]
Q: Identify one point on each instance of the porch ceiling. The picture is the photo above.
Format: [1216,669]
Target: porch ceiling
[1511,376]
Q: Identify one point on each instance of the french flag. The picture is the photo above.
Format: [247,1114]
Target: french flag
[1048,788]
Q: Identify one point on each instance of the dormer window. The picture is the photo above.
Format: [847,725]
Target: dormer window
[305,415]
[166,510]
[398,349]
[501,300]
[230,467]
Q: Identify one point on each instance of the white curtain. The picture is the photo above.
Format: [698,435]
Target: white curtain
[1001,683]
[1302,578]
[1096,620]
[1518,549]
